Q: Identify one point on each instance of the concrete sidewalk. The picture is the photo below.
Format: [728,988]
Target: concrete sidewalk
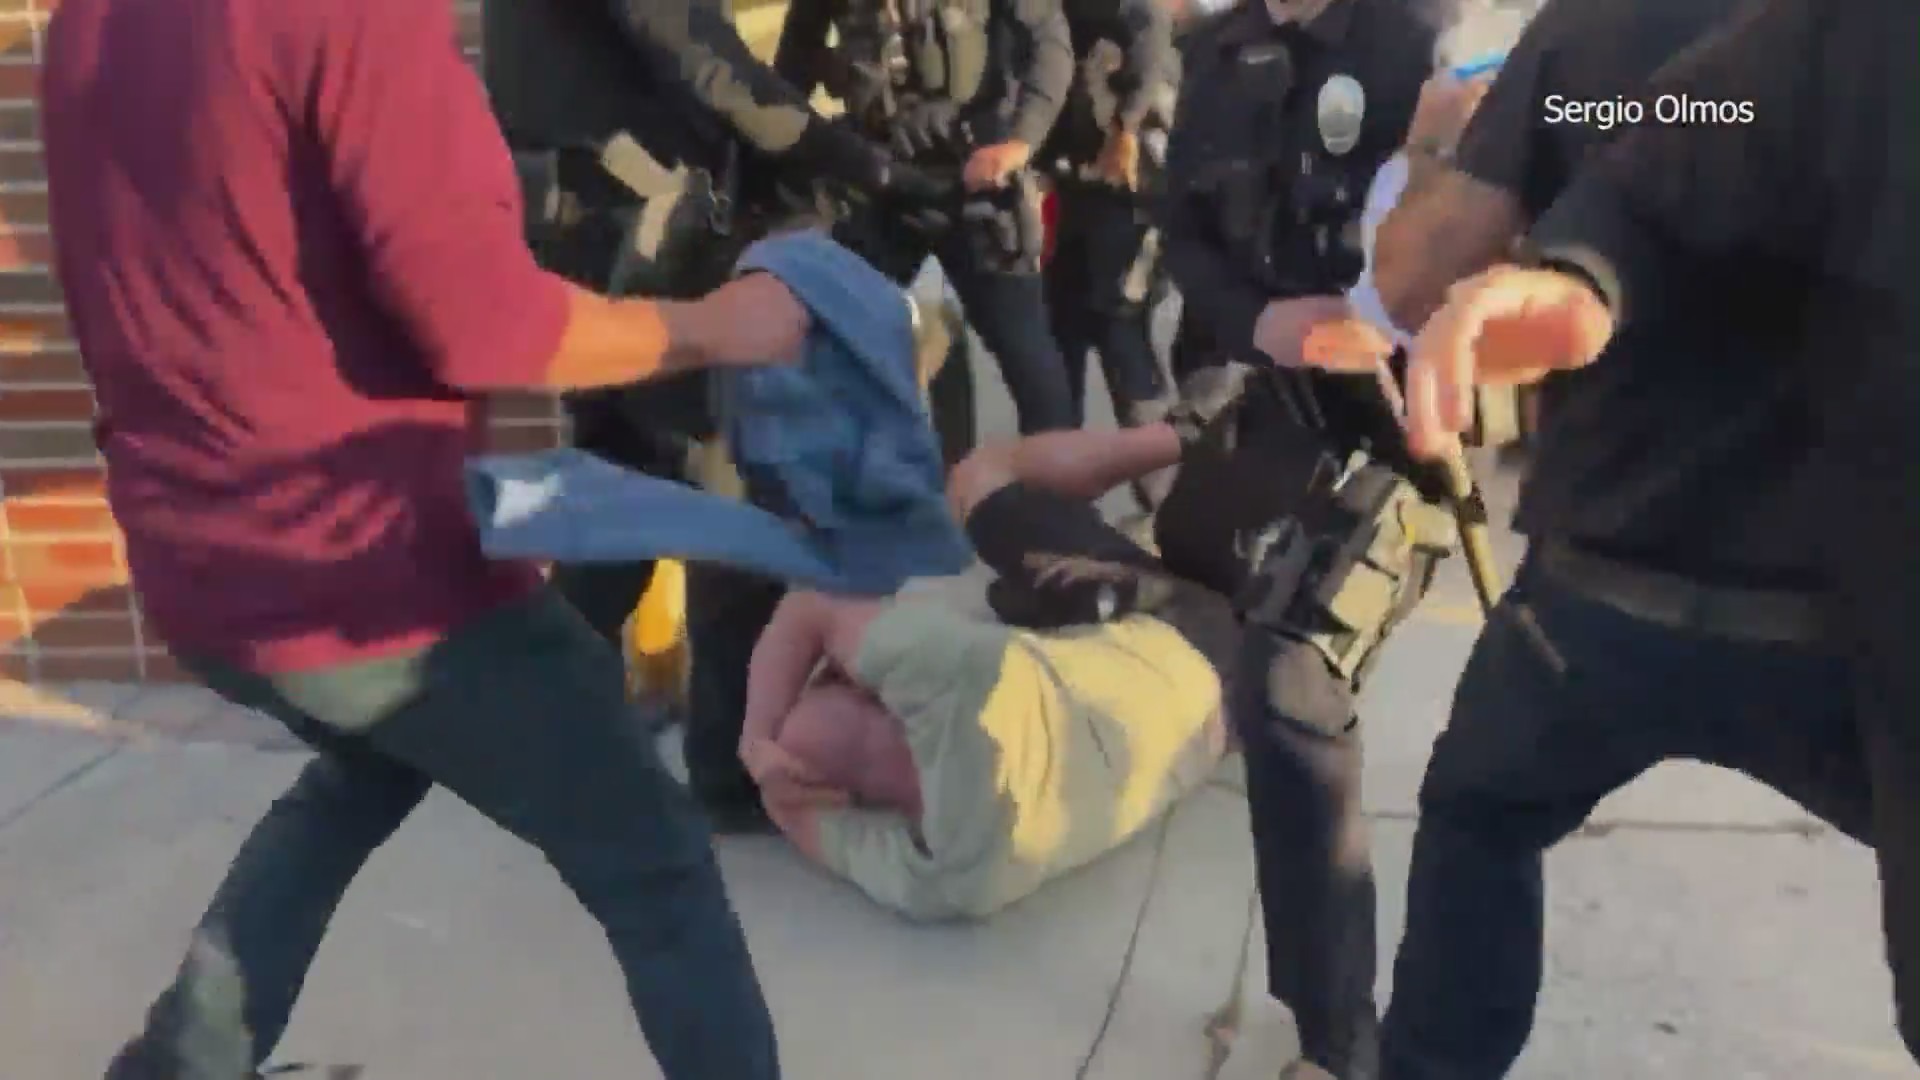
[1701,929]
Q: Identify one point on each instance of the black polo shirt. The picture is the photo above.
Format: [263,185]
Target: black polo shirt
[1688,446]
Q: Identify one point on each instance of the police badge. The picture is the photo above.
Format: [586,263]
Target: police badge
[1341,107]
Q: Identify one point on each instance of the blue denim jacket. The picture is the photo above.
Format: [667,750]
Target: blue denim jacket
[840,446]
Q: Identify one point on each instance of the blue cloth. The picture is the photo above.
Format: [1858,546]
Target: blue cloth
[839,445]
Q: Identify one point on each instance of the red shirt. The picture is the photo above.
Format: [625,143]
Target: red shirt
[290,239]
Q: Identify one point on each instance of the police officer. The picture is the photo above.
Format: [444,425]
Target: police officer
[1103,270]
[970,89]
[1721,519]
[1286,111]
[647,134]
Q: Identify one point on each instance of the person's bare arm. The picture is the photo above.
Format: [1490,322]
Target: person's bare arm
[609,342]
[806,628]
[784,659]
[1081,464]
[1449,228]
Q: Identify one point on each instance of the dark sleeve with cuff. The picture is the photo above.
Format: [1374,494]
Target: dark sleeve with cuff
[1045,48]
[703,50]
[427,187]
[1151,59]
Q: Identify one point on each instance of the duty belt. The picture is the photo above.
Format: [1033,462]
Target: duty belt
[1678,603]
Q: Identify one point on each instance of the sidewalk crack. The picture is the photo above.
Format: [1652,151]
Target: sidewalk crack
[68,779]
[1133,947]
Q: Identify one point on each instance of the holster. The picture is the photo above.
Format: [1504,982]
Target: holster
[1004,227]
[1350,566]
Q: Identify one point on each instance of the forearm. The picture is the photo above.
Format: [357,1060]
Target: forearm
[783,662]
[1451,230]
[1151,57]
[1590,232]
[711,60]
[1042,83]
[1087,464]
[611,342]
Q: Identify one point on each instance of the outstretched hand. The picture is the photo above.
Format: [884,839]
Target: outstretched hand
[1505,326]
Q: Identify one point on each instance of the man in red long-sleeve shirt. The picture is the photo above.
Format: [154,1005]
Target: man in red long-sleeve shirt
[290,239]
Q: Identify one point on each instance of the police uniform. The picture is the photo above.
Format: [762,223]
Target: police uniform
[1280,129]
[936,79]
[1698,497]
[1104,268]
[636,127]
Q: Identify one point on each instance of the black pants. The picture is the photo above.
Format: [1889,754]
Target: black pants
[1099,284]
[1193,348]
[523,715]
[1563,701]
[650,427]
[1007,309]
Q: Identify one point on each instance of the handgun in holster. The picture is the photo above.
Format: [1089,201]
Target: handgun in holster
[1004,225]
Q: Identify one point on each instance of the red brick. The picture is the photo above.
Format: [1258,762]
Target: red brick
[46,405]
[44,598]
[59,367]
[23,207]
[16,36]
[20,248]
[20,330]
[89,562]
[20,123]
[35,287]
[22,165]
[30,517]
[58,482]
[163,668]
[59,667]
[84,632]
[17,665]
[18,80]
[48,442]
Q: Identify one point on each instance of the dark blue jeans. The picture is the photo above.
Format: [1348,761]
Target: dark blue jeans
[1563,701]
[523,714]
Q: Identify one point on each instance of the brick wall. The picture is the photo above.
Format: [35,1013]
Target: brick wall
[65,610]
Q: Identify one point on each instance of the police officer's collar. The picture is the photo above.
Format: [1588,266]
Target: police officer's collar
[1329,27]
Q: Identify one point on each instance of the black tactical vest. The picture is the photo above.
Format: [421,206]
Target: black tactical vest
[1287,208]
[894,52]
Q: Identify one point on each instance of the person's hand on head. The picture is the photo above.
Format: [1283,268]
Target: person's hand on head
[1319,331]
[786,779]
[752,320]
[992,166]
[1502,327]
[1446,104]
